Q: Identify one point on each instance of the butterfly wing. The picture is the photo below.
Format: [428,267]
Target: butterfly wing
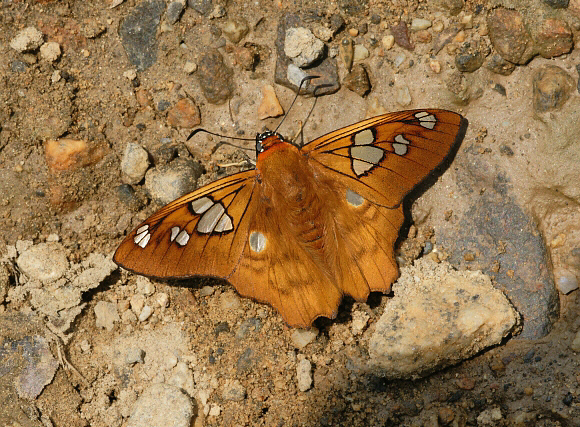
[201,233]
[385,157]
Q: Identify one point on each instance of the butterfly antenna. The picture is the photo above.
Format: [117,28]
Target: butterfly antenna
[311,110]
[196,131]
[304,80]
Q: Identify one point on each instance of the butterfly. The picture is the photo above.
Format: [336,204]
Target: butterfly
[310,224]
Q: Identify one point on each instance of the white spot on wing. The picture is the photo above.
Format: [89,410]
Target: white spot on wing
[426,120]
[210,218]
[224,224]
[365,158]
[400,145]
[174,231]
[354,198]
[201,205]
[142,239]
[364,137]
[143,228]
[257,241]
[182,238]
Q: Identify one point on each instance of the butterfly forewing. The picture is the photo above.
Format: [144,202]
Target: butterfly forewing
[384,157]
[201,233]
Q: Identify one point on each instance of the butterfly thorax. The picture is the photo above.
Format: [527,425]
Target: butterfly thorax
[267,140]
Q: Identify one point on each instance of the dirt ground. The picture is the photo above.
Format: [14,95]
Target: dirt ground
[239,358]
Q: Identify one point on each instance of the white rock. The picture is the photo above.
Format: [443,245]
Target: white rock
[437,318]
[26,40]
[302,337]
[134,163]
[145,313]
[359,322]
[106,315]
[566,281]
[137,302]
[295,75]
[162,405]
[304,375]
[403,96]
[489,417]
[418,24]
[302,47]
[50,51]
[190,67]
[144,286]
[45,262]
[182,377]
[360,53]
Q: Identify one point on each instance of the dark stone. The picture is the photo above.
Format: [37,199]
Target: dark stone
[163,105]
[375,19]
[174,11]
[557,4]
[471,56]
[401,35]
[499,88]
[221,327]
[358,80]
[215,78]
[552,86]
[496,64]
[352,7]
[18,66]
[253,323]
[509,36]
[126,194]
[336,23]
[245,361]
[203,7]
[138,33]
[326,68]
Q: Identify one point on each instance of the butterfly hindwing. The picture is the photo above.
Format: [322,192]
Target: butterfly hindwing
[384,157]
[201,233]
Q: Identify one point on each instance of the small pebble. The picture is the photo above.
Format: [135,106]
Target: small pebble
[270,106]
[137,303]
[162,300]
[403,96]
[206,291]
[134,355]
[435,66]
[360,53]
[388,41]
[145,313]
[234,391]
[50,51]
[162,405]
[353,32]
[144,286]
[190,67]
[302,337]
[566,281]
[106,315]
[418,24]
[304,375]
[26,40]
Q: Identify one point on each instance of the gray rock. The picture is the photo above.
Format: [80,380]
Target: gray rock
[566,280]
[304,375]
[234,391]
[138,33]
[174,11]
[302,47]
[437,318]
[26,40]
[135,355]
[39,368]
[162,405]
[182,377]
[45,262]
[166,183]
[134,163]
[106,315]
[203,7]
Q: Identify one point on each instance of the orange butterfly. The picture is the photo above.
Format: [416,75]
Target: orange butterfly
[309,224]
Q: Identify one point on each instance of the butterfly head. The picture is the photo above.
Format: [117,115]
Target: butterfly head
[266,140]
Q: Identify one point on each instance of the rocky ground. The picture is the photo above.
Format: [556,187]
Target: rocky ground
[482,328]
